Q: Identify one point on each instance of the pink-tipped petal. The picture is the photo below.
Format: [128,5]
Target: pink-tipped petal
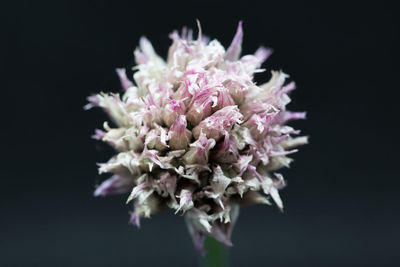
[114,185]
[235,48]
[125,82]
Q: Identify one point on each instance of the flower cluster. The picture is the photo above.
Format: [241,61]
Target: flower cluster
[196,134]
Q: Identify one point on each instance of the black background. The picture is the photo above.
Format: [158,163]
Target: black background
[342,200]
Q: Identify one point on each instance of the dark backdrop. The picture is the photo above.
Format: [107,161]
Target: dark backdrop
[342,199]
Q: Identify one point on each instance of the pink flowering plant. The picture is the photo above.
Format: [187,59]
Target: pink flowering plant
[196,134]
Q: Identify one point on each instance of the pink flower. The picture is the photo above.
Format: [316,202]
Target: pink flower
[196,134]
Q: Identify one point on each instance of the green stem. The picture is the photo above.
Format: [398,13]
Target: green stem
[216,254]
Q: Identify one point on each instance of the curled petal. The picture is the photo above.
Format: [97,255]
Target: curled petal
[142,190]
[172,110]
[201,105]
[199,151]
[259,124]
[114,185]
[217,124]
[124,164]
[157,139]
[179,135]
[223,99]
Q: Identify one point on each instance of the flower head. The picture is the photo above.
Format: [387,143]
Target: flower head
[196,134]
